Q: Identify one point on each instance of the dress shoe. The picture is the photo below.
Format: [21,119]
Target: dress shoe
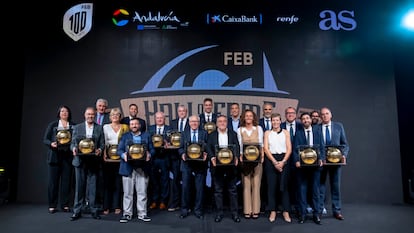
[153,206]
[96,216]
[218,218]
[236,218]
[286,217]
[66,209]
[75,217]
[162,206]
[301,220]
[52,210]
[182,216]
[199,216]
[339,216]
[317,219]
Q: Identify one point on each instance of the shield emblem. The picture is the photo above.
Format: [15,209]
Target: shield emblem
[77,21]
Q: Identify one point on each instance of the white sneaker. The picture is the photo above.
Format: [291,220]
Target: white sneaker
[125,219]
[324,211]
[144,218]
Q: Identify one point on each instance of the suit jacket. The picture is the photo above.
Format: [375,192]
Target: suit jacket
[79,133]
[152,129]
[213,141]
[230,124]
[338,137]
[175,124]
[49,137]
[142,122]
[300,140]
[203,119]
[105,120]
[125,168]
[299,126]
[186,138]
[263,125]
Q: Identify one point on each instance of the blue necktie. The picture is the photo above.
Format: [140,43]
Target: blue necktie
[181,125]
[327,136]
[267,124]
[291,132]
[159,130]
[308,137]
[194,136]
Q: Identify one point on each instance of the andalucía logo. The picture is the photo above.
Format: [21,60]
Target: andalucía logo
[149,20]
[77,21]
[212,83]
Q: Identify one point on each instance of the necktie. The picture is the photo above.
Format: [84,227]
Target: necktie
[159,130]
[194,136]
[327,136]
[308,137]
[267,124]
[181,125]
[291,132]
[99,119]
[208,118]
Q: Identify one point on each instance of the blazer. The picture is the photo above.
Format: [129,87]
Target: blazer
[79,132]
[203,119]
[263,125]
[50,136]
[213,141]
[175,124]
[142,122]
[230,123]
[338,137]
[300,139]
[105,119]
[125,168]
[186,138]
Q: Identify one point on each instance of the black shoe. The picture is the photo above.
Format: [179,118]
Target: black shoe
[182,216]
[301,220]
[317,219]
[75,217]
[199,216]
[218,218]
[96,216]
[235,218]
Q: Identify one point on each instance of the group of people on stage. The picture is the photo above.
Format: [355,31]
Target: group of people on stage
[217,152]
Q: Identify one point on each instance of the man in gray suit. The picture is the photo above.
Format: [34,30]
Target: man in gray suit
[86,164]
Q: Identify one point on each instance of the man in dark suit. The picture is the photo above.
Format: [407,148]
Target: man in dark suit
[333,134]
[233,121]
[226,175]
[180,124]
[102,116]
[159,164]
[87,165]
[308,177]
[133,113]
[190,168]
[208,115]
[292,124]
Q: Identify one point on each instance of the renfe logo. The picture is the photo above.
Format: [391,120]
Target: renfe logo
[343,20]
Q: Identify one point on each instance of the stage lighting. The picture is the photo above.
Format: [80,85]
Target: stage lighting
[408,20]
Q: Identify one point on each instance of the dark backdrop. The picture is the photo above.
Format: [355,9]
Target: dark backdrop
[352,72]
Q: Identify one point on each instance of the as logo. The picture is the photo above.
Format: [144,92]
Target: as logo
[343,20]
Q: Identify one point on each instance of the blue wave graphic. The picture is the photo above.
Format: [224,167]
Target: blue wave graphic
[203,80]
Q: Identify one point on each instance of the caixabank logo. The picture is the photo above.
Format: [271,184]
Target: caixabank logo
[190,84]
[148,20]
[77,21]
[234,19]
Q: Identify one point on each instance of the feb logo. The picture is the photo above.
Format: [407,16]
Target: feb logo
[343,20]
[77,21]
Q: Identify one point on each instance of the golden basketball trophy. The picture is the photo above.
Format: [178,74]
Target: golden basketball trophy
[308,155]
[137,151]
[194,151]
[210,127]
[251,153]
[174,139]
[111,153]
[334,155]
[86,147]
[157,140]
[224,155]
